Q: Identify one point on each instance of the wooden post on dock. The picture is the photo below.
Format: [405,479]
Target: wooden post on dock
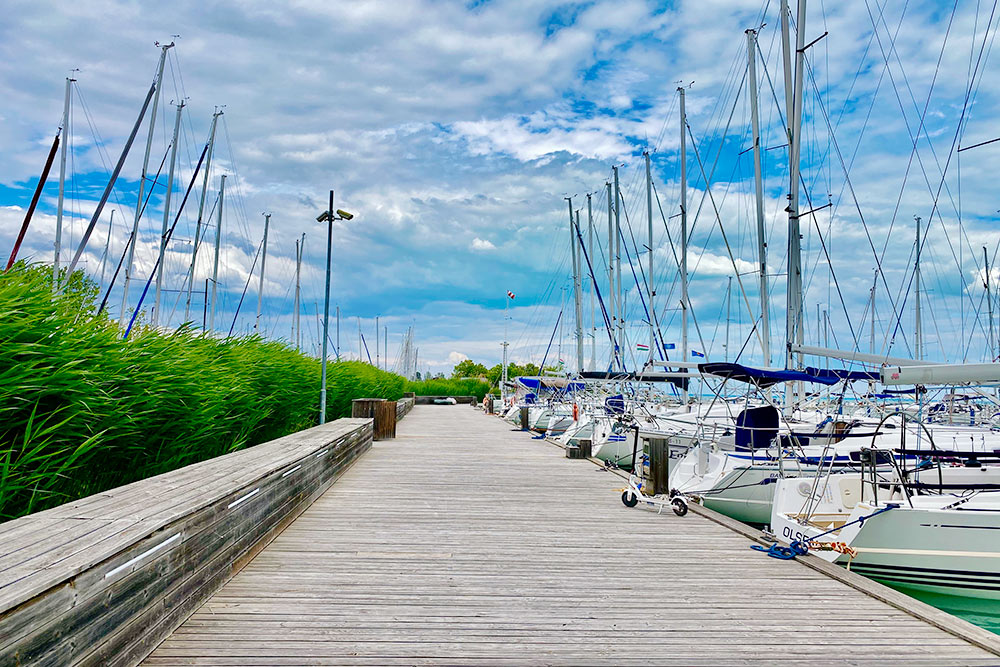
[383,412]
[659,465]
[524,418]
[586,448]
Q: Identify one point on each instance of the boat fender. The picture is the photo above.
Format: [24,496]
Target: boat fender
[576,412]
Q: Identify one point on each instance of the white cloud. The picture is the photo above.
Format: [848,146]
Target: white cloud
[710,264]
[456,357]
[437,123]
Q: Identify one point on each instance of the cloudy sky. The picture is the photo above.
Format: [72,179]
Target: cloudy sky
[454,131]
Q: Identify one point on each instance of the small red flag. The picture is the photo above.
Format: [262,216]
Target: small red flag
[510,294]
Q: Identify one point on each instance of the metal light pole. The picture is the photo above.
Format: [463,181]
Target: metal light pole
[328,217]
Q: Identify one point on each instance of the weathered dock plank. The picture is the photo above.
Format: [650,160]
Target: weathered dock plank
[102,580]
[462,542]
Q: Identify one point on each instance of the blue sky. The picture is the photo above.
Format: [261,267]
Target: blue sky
[454,131]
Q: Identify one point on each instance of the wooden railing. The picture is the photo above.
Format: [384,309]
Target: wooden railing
[104,579]
[403,406]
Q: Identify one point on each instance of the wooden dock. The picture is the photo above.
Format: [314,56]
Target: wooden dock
[465,542]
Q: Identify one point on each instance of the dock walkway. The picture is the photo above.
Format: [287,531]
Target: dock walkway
[464,542]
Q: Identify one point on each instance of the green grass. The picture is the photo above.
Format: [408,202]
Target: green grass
[454,387]
[82,411]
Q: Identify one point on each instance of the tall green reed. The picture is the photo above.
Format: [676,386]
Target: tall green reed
[82,411]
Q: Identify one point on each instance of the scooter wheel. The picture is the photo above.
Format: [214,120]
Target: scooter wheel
[680,507]
[629,499]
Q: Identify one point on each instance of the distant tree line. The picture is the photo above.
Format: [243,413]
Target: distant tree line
[472,369]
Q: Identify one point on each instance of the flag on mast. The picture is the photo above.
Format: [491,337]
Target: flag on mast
[642,347]
[510,295]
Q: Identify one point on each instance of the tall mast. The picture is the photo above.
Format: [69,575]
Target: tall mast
[503,369]
[573,260]
[361,354]
[765,320]
[299,246]
[611,278]
[989,302]
[107,246]
[577,294]
[166,215]
[562,309]
[263,262]
[218,244]
[201,210]
[649,280]
[378,346]
[786,61]
[338,331]
[62,182]
[593,311]
[793,101]
[618,261]
[872,341]
[918,348]
[729,295]
[684,241]
[123,315]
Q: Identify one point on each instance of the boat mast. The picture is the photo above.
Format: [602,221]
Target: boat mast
[107,246]
[166,215]
[793,101]
[218,243]
[260,288]
[729,296]
[618,261]
[872,341]
[298,290]
[989,302]
[765,322]
[142,184]
[562,309]
[62,182]
[201,210]
[573,259]
[503,371]
[577,294]
[684,242]
[918,347]
[649,278]
[593,311]
[611,279]
[338,323]
[378,345]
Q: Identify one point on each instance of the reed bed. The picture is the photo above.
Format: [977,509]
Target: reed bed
[82,411]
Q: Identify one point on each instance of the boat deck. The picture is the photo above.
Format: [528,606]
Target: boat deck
[463,541]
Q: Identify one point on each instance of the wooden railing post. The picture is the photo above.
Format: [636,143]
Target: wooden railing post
[383,413]
[659,465]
